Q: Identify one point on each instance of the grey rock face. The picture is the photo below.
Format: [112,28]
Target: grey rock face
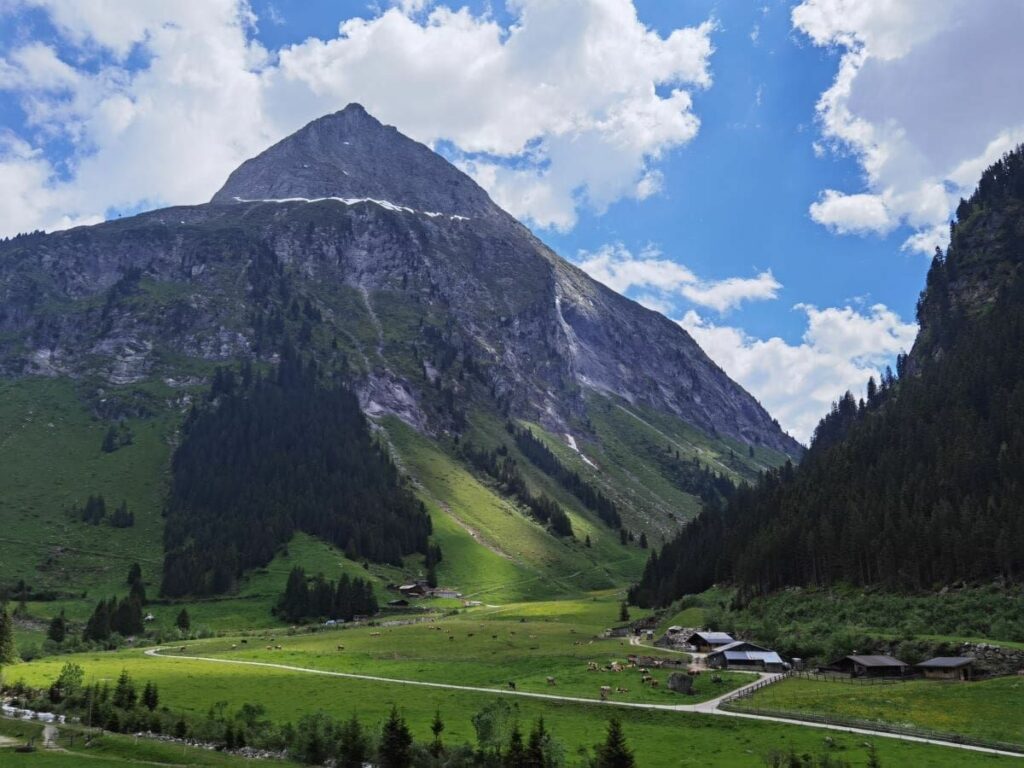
[351,155]
[131,299]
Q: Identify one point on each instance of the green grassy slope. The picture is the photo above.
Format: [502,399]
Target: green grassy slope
[988,709]
[493,550]
[50,460]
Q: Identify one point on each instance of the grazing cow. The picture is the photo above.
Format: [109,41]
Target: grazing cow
[270,647]
[644,670]
[470,634]
[622,690]
[576,642]
[244,641]
[375,634]
[183,649]
[646,679]
[591,666]
[450,637]
[341,647]
[551,680]
[494,637]
[511,685]
[234,646]
[605,690]
[654,683]
[277,647]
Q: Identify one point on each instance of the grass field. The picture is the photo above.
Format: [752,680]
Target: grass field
[658,738]
[988,709]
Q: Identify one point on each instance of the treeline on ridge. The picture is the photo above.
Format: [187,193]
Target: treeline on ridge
[269,456]
[503,468]
[541,456]
[916,486]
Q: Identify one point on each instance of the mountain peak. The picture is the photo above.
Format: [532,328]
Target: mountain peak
[352,155]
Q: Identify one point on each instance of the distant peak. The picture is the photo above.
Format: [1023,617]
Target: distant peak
[350,154]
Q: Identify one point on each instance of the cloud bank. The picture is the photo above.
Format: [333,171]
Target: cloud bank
[925,97]
[157,102]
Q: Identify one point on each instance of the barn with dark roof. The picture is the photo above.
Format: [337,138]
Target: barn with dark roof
[858,665]
[948,668]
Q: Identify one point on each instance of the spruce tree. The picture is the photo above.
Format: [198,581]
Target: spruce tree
[614,752]
[58,628]
[183,622]
[537,748]
[8,650]
[437,728]
[125,695]
[150,696]
[515,755]
[353,744]
[395,749]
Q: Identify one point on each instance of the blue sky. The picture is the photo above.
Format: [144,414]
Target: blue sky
[759,172]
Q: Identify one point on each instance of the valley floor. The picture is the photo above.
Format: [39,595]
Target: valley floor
[460,664]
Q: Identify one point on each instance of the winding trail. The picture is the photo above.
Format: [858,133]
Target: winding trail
[709,707]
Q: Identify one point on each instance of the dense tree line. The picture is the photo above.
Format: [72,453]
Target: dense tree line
[318,598]
[123,617]
[921,483]
[269,456]
[505,470]
[318,738]
[547,462]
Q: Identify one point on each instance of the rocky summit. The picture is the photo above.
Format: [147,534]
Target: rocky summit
[369,248]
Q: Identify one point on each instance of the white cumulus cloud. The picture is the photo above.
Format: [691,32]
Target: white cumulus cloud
[527,106]
[658,282]
[840,348]
[925,96]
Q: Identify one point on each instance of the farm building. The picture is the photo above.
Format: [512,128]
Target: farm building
[948,668]
[399,603]
[744,655]
[706,642]
[868,666]
[413,590]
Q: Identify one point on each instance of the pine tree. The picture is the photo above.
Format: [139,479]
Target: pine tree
[537,748]
[183,622]
[623,612]
[395,749]
[150,696]
[873,761]
[97,628]
[125,695]
[110,442]
[134,574]
[515,755]
[58,628]
[353,745]
[614,752]
[437,728]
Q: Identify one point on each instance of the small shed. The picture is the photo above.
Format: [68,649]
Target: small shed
[706,642]
[857,665]
[445,592]
[413,590]
[948,668]
[744,655]
[399,603]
